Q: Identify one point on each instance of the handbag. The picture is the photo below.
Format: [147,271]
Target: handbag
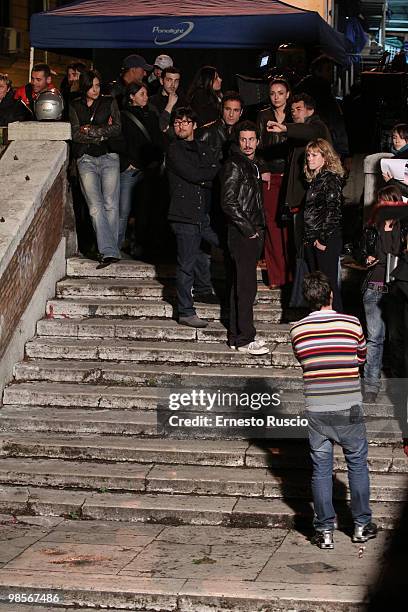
[139,125]
[296,298]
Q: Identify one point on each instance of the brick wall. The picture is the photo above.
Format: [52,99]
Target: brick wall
[30,260]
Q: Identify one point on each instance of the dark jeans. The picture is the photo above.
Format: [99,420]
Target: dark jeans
[193,264]
[397,319]
[325,429]
[375,311]
[327,262]
[245,253]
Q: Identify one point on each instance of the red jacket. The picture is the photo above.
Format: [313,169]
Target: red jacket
[27,96]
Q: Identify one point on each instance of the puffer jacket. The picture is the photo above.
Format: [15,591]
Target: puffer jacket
[323,208]
[241,198]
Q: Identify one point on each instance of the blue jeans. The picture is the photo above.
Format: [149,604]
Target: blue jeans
[374,305]
[99,178]
[128,181]
[325,429]
[193,264]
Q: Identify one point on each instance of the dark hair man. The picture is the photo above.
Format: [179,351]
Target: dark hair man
[219,134]
[41,80]
[318,84]
[169,97]
[241,201]
[161,62]
[191,168]
[306,126]
[330,348]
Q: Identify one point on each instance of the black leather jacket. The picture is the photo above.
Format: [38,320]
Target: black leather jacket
[241,198]
[218,137]
[191,168]
[323,208]
[103,116]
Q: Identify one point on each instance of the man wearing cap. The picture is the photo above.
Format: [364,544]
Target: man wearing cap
[160,63]
[134,68]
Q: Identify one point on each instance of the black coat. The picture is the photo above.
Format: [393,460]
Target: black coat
[133,147]
[241,198]
[11,109]
[299,134]
[104,118]
[218,136]
[206,106]
[273,147]
[323,207]
[191,168]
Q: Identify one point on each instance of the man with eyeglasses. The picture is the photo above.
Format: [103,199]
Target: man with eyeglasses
[191,167]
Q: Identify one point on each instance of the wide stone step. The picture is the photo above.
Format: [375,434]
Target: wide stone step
[148,398]
[78,267]
[105,307]
[138,288]
[185,480]
[168,352]
[174,509]
[154,329]
[41,419]
[276,453]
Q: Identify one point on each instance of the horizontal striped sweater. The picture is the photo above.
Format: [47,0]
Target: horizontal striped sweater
[330,347]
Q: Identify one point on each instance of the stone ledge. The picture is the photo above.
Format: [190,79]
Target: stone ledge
[39,130]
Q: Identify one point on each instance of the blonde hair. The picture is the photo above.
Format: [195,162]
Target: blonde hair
[5,77]
[332,161]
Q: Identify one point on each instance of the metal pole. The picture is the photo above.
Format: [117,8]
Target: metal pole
[45,8]
[31,62]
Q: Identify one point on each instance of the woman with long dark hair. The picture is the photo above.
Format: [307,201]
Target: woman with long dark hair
[142,148]
[95,119]
[205,96]
[323,213]
[274,151]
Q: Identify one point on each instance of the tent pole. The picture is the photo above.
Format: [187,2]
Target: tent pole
[31,62]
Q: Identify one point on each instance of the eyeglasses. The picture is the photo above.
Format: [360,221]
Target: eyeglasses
[179,123]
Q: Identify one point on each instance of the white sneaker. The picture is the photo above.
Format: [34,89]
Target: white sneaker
[232,347]
[257,347]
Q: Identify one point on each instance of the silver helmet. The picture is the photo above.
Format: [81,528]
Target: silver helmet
[49,106]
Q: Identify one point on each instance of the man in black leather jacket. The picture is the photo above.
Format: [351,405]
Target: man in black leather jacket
[242,204]
[191,168]
[219,134]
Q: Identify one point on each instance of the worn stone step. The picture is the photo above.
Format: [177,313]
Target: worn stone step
[129,592]
[78,267]
[185,480]
[174,509]
[168,352]
[41,419]
[148,398]
[154,329]
[138,288]
[88,307]
[230,453]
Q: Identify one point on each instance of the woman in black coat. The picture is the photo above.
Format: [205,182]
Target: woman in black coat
[10,109]
[141,150]
[205,96]
[323,213]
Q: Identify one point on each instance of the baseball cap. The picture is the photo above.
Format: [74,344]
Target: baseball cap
[135,61]
[163,61]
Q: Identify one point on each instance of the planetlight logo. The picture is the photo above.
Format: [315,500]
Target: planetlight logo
[176,33]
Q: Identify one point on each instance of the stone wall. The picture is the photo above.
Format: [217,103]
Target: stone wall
[32,213]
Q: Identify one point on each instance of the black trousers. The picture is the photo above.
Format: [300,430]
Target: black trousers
[327,262]
[244,253]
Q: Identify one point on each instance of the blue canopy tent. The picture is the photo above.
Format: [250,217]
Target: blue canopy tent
[193,24]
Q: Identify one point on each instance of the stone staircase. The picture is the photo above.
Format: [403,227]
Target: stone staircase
[78,425]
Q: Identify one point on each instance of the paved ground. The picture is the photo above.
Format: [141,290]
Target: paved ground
[96,555]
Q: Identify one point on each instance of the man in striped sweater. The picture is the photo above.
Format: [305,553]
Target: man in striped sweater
[330,347]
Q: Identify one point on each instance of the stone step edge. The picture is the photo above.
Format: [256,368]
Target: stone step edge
[170,509]
[126,592]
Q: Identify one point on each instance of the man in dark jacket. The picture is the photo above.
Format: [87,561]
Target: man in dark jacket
[306,126]
[169,97]
[219,134]
[242,204]
[191,168]
[10,109]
